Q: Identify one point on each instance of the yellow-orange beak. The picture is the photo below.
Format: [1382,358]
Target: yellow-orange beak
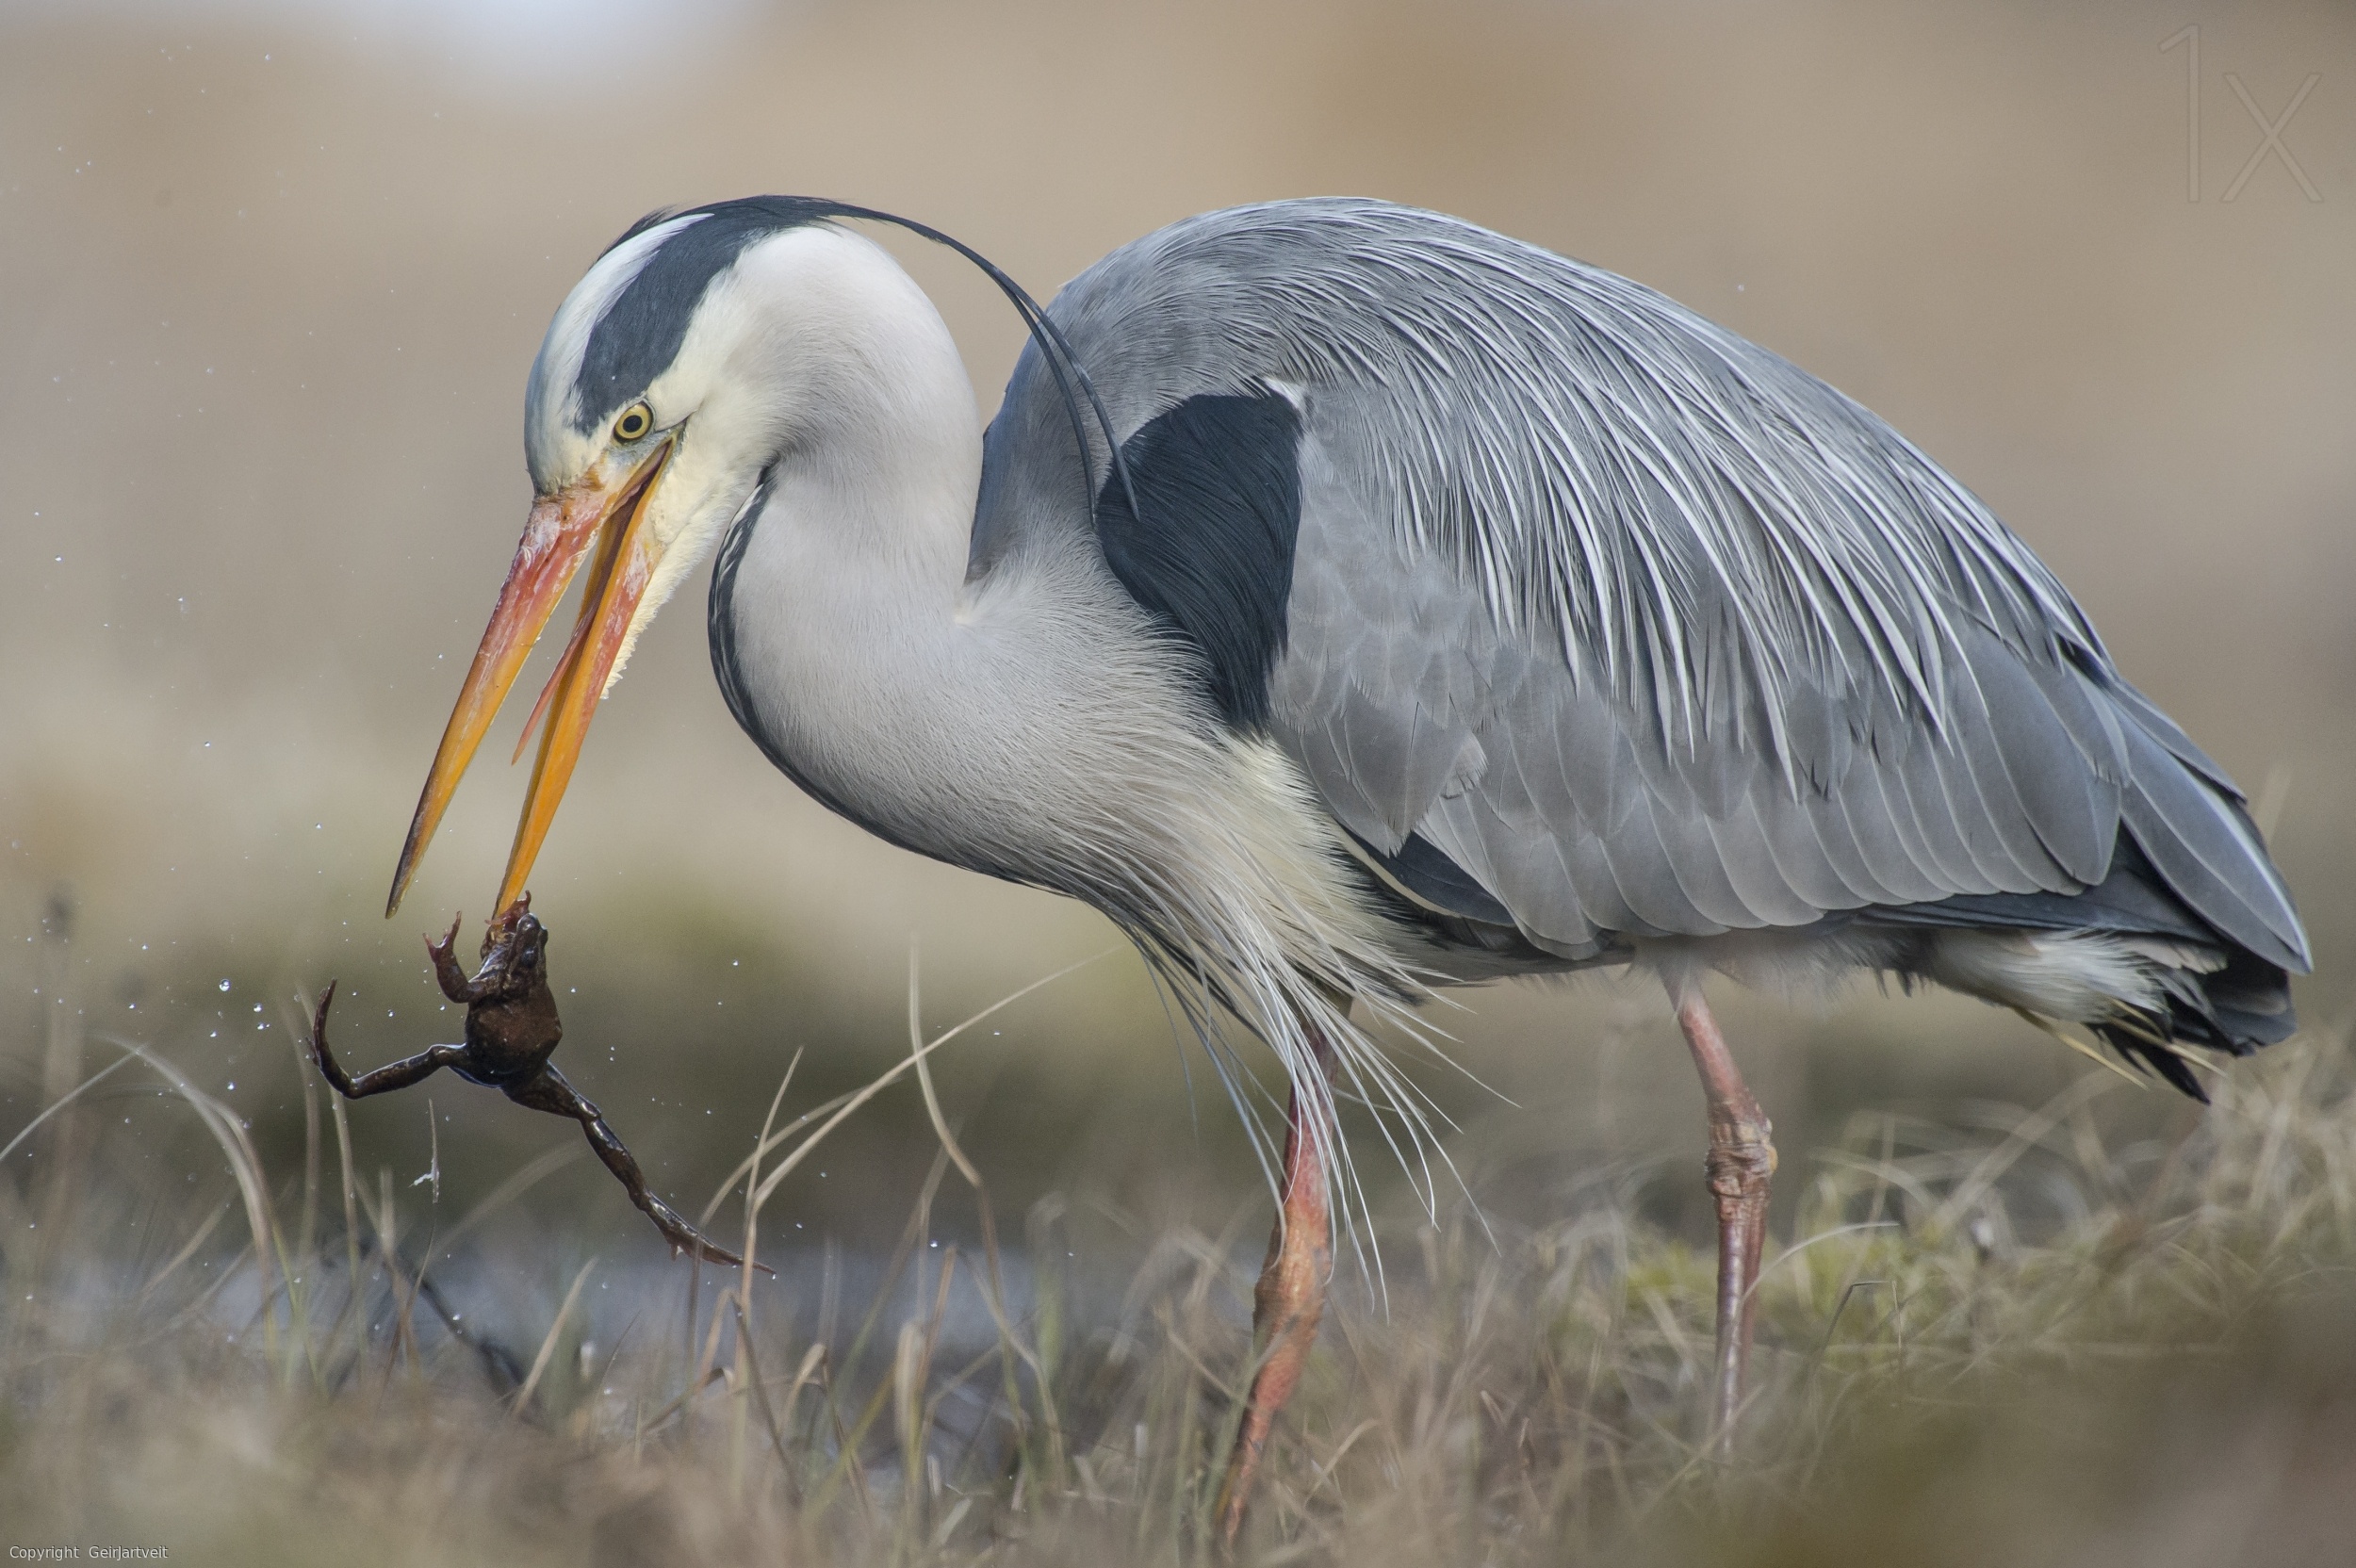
[600,514]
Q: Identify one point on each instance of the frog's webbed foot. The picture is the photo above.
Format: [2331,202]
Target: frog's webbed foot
[453,980]
[396,1075]
[552,1093]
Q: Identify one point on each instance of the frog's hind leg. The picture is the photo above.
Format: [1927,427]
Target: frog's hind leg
[396,1076]
[550,1092]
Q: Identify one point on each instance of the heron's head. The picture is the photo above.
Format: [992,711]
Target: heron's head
[690,359]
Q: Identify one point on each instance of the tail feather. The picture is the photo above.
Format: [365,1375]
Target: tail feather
[2131,960]
[2193,824]
[2206,850]
[2237,1009]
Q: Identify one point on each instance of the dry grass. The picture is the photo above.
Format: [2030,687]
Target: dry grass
[2021,1347]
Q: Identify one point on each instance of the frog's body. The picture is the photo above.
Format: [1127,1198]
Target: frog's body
[512,1031]
[511,1027]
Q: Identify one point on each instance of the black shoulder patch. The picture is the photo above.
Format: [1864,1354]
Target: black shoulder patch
[1217,478]
[641,331]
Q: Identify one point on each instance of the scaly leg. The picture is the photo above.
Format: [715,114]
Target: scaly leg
[1741,1162]
[396,1075]
[552,1093]
[1289,1300]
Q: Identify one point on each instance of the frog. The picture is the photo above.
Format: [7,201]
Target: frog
[512,1031]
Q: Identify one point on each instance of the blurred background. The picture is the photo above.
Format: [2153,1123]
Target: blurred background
[271,272]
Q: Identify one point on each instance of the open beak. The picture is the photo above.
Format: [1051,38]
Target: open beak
[601,514]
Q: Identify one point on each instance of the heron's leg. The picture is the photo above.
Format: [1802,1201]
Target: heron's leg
[550,1092]
[1289,1299]
[1739,1165]
[396,1076]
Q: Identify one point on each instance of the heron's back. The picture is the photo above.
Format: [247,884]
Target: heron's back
[1599,627]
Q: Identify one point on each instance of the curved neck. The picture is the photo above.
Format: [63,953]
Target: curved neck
[935,711]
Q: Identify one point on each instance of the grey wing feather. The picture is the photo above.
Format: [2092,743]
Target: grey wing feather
[1646,629]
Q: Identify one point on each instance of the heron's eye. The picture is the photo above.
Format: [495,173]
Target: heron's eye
[635,421]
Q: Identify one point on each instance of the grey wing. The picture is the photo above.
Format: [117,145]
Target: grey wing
[1644,630]
[1576,805]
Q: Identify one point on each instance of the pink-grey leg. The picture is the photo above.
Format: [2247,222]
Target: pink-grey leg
[1290,1300]
[1741,1163]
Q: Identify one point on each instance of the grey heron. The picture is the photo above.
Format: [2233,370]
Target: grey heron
[1349,602]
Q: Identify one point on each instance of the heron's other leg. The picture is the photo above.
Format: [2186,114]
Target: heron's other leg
[1290,1300]
[551,1092]
[1739,1165]
[396,1076]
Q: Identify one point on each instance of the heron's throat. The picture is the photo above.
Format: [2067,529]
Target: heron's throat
[844,633]
[858,655]
[981,721]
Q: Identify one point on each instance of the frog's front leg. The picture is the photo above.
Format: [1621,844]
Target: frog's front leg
[398,1075]
[453,980]
[552,1093]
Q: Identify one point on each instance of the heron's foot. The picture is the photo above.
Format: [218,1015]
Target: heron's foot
[551,1092]
[396,1076]
[1286,1306]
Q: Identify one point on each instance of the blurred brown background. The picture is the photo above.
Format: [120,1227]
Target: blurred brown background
[271,276]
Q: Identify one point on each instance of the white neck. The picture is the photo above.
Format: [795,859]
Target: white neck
[876,673]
